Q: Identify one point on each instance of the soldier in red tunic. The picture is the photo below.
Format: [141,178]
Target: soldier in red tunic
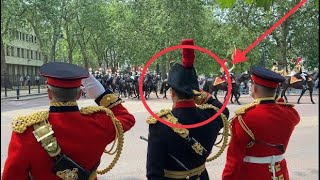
[261,132]
[65,142]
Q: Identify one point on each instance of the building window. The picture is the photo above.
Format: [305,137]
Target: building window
[31,38]
[23,37]
[17,34]
[36,52]
[35,39]
[31,53]
[18,52]
[7,50]
[22,52]
[40,56]
[28,55]
[12,51]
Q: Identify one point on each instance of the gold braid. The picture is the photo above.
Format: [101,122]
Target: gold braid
[119,135]
[168,116]
[184,132]
[21,123]
[68,103]
[239,112]
[225,134]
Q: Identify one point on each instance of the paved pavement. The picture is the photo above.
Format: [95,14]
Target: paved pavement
[302,153]
[24,93]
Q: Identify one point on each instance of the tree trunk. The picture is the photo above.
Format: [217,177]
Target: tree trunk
[83,53]
[70,57]
[163,69]
[284,45]
[4,73]
[40,40]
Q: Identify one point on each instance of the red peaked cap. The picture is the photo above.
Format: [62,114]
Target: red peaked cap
[63,75]
[188,56]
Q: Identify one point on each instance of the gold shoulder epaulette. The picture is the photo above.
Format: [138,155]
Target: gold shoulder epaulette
[168,116]
[163,112]
[245,108]
[21,123]
[93,109]
[285,104]
[207,106]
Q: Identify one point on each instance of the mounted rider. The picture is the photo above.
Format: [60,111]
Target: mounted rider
[222,78]
[300,72]
[275,68]
[223,74]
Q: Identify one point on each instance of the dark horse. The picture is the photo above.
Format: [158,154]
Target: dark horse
[235,90]
[150,84]
[164,88]
[135,86]
[298,85]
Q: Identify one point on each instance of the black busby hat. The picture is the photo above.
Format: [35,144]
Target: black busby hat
[63,75]
[183,77]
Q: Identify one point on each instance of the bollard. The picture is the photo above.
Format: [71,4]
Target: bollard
[29,89]
[5,91]
[38,88]
[18,92]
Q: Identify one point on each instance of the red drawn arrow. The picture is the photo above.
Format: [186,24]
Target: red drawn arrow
[239,56]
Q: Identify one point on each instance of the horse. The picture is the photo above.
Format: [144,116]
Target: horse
[164,88]
[122,85]
[115,83]
[150,84]
[135,87]
[106,81]
[243,77]
[311,78]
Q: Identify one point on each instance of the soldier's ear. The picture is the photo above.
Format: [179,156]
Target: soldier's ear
[49,93]
[79,94]
[172,92]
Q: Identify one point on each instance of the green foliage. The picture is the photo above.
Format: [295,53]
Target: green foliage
[119,34]
[226,3]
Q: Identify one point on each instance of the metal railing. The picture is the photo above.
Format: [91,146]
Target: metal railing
[11,81]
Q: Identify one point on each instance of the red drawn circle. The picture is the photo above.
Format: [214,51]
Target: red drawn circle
[160,53]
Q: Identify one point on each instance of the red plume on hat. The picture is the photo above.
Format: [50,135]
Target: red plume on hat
[298,60]
[188,56]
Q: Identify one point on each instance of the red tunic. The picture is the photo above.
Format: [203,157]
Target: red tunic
[272,123]
[81,137]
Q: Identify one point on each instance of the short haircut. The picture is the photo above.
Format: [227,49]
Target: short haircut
[64,94]
[182,95]
[266,91]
